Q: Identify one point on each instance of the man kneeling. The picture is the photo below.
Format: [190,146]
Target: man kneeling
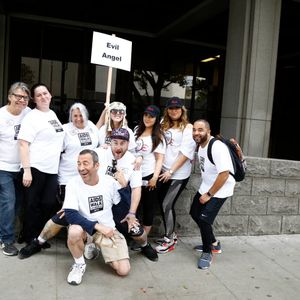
[88,208]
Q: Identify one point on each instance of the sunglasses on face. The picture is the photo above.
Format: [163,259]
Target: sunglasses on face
[118,111]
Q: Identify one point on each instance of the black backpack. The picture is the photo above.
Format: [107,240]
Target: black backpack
[237,157]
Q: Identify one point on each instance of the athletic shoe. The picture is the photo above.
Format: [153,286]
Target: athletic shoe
[134,246]
[1,245]
[90,251]
[10,249]
[30,249]
[76,273]
[166,247]
[215,249]
[205,261]
[165,239]
[149,252]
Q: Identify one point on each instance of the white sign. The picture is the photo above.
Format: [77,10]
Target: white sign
[111,51]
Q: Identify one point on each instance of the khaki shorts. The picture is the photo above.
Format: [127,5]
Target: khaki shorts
[112,249]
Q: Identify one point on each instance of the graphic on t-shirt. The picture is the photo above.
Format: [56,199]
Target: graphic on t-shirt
[17,129]
[95,203]
[84,138]
[168,136]
[56,125]
[107,140]
[201,163]
[140,146]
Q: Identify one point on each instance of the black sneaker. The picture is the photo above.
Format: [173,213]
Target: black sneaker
[10,249]
[134,246]
[30,249]
[149,252]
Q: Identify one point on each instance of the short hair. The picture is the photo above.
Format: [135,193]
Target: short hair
[35,86]
[92,153]
[18,85]
[203,121]
[83,110]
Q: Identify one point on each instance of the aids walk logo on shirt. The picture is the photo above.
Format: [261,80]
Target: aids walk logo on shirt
[95,203]
[84,138]
[56,125]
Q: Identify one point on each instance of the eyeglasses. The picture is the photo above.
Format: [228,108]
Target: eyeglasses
[19,97]
[116,111]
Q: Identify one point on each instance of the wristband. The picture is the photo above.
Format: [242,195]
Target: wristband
[209,194]
[26,167]
[131,213]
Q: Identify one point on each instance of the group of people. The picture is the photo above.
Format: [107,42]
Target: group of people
[102,181]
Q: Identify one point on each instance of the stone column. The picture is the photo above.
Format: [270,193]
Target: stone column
[251,58]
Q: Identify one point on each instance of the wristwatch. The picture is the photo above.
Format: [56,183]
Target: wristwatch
[171,171]
[209,194]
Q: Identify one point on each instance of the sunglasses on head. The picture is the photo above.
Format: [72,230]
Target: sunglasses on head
[118,111]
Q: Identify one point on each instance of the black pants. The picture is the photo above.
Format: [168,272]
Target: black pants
[40,203]
[204,215]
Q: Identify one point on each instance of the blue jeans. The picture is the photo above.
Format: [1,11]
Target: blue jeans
[9,187]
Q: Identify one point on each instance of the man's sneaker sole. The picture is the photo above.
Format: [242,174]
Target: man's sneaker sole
[198,249]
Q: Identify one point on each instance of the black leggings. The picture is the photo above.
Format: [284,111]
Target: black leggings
[168,195]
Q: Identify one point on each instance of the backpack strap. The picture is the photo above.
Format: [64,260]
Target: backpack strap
[209,154]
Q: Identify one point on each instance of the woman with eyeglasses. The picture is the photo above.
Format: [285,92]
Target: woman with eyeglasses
[116,118]
[40,142]
[11,116]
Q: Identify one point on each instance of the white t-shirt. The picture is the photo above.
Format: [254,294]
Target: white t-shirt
[9,130]
[179,141]
[93,202]
[105,139]
[144,148]
[222,160]
[126,163]
[75,140]
[45,134]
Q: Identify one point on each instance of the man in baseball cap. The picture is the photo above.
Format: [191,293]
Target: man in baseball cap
[120,133]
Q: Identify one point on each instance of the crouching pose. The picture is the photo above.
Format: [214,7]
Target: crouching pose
[88,208]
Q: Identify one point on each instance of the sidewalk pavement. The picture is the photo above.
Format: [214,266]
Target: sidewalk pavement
[250,267]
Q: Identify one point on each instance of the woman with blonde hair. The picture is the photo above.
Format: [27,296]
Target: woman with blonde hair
[176,168]
[115,115]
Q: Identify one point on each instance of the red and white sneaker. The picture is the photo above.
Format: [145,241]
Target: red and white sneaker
[165,239]
[166,247]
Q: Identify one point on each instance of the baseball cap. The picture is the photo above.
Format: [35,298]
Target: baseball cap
[152,110]
[120,133]
[174,102]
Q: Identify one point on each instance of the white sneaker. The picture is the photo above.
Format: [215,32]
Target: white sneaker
[90,251]
[76,273]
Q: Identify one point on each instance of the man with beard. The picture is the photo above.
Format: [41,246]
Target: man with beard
[118,162]
[216,186]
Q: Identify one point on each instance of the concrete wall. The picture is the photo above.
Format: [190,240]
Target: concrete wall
[266,202]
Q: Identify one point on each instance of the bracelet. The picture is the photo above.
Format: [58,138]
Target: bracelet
[209,194]
[131,213]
